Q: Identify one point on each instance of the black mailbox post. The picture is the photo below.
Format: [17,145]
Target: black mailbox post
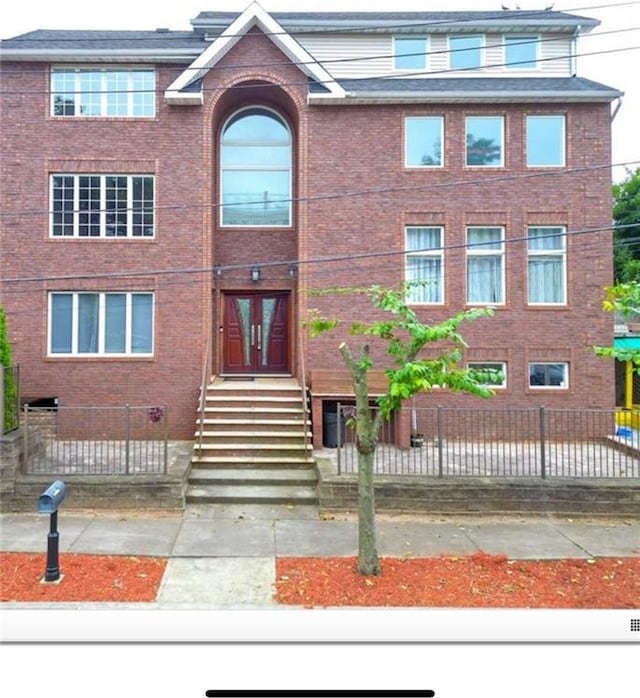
[48,503]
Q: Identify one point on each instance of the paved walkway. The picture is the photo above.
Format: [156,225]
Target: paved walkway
[224,556]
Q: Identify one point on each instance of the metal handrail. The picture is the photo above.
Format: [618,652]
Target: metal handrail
[305,408]
[203,390]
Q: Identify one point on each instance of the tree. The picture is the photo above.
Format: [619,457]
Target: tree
[626,212]
[622,298]
[8,387]
[405,336]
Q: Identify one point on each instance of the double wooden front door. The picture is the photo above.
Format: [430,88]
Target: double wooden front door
[256,333]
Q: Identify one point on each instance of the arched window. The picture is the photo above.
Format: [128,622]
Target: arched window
[255,169]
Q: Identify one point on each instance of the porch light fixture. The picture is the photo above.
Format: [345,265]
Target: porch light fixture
[217,270]
[255,274]
[293,270]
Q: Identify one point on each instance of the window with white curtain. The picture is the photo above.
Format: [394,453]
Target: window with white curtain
[546,265]
[485,265]
[100,323]
[424,264]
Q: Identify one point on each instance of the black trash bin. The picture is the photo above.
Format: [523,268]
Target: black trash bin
[330,429]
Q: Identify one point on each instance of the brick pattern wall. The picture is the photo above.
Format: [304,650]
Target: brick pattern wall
[354,196]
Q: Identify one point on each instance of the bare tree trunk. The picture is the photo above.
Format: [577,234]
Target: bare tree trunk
[368,563]
[366,441]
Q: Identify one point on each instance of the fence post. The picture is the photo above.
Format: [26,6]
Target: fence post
[338,444]
[26,438]
[127,433]
[439,437]
[543,456]
[166,437]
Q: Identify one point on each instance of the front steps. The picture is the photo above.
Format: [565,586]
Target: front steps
[250,447]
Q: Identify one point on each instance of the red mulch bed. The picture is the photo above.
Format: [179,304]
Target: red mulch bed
[83,578]
[478,580]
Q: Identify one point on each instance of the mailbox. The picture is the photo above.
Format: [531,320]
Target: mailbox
[52,497]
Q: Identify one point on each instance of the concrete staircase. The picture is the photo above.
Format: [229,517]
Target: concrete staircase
[253,445]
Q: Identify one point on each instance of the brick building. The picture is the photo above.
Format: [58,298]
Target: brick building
[170,198]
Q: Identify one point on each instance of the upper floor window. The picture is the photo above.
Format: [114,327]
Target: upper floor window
[255,169]
[101,323]
[423,141]
[545,140]
[410,53]
[102,92]
[520,52]
[465,52]
[424,264]
[484,137]
[546,265]
[485,265]
[92,205]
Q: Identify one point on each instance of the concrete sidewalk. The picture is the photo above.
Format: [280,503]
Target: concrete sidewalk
[224,556]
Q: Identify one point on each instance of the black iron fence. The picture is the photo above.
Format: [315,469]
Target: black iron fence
[124,440]
[9,398]
[507,443]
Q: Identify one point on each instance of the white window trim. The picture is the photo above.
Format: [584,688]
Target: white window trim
[482,48]
[266,168]
[103,70]
[101,325]
[561,253]
[103,210]
[406,142]
[563,386]
[475,250]
[434,253]
[535,39]
[502,140]
[502,368]
[563,162]
[425,62]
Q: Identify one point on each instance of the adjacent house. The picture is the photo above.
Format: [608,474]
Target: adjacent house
[170,200]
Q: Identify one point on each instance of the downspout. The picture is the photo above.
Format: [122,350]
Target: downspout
[616,109]
[574,50]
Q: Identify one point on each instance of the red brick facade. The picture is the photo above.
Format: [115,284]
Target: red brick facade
[352,199]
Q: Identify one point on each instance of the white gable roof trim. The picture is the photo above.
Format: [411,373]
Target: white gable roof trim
[253,16]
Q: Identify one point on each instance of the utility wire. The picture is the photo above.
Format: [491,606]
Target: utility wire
[304,262]
[484,180]
[418,24]
[373,57]
[391,77]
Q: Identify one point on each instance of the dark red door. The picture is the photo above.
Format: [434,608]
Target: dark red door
[256,335]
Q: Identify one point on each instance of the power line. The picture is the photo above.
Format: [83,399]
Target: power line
[484,180]
[517,14]
[385,76]
[332,61]
[303,262]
